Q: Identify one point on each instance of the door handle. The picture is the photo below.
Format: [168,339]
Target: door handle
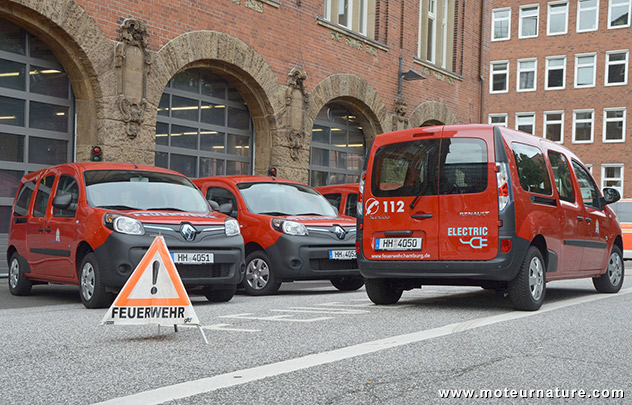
[589,220]
[421,216]
[48,229]
[40,229]
[580,218]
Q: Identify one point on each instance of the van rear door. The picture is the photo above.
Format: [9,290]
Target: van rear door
[468,196]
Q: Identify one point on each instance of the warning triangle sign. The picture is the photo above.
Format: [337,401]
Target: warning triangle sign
[154,293]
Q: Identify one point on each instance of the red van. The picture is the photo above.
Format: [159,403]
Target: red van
[482,205]
[344,197]
[89,224]
[290,231]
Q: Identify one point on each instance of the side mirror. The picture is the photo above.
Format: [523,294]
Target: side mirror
[214,205]
[226,208]
[62,202]
[611,195]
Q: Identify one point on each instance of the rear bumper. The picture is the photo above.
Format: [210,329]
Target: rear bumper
[503,267]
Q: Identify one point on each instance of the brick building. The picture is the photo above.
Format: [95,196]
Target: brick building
[229,86]
[560,69]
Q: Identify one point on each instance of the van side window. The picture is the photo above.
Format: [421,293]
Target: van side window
[532,172]
[43,195]
[406,169]
[562,176]
[351,206]
[67,185]
[334,199]
[587,187]
[24,199]
[463,166]
[222,196]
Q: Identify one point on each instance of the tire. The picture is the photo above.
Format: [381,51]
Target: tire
[612,280]
[224,294]
[259,278]
[347,283]
[528,289]
[18,283]
[382,291]
[91,287]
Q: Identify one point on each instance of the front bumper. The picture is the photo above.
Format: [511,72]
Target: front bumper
[120,254]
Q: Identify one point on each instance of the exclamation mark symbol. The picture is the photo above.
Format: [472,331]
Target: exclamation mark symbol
[156,265]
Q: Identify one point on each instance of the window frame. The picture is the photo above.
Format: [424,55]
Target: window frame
[579,13]
[497,115]
[592,125]
[552,122]
[604,179]
[548,69]
[506,73]
[594,69]
[494,20]
[521,17]
[524,115]
[610,26]
[548,19]
[608,64]
[606,121]
[519,71]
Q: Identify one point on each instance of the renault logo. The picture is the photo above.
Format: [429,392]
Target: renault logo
[340,232]
[188,231]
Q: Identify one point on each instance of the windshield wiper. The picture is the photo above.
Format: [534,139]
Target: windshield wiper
[311,213]
[164,209]
[273,213]
[116,207]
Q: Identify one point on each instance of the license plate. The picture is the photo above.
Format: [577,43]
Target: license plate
[192,258]
[342,254]
[398,244]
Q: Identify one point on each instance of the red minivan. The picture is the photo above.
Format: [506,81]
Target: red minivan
[290,231]
[482,205]
[89,224]
[344,197]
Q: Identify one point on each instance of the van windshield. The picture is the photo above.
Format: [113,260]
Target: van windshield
[430,167]
[623,209]
[142,190]
[284,199]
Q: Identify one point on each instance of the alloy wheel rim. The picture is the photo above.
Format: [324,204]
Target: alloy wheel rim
[615,269]
[536,278]
[14,273]
[87,281]
[257,274]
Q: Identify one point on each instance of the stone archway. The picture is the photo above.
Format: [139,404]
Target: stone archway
[82,49]
[235,62]
[433,113]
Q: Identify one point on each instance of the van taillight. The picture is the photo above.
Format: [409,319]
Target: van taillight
[358,247]
[360,202]
[505,245]
[502,180]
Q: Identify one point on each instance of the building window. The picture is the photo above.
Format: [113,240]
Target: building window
[500,72]
[585,70]
[203,126]
[587,15]
[555,72]
[501,24]
[614,125]
[528,24]
[589,167]
[498,119]
[583,124]
[436,23]
[337,148]
[612,176]
[525,122]
[554,126]
[526,75]
[557,23]
[619,13]
[352,14]
[616,68]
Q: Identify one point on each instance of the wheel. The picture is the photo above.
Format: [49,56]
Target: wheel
[382,291]
[347,283]
[91,288]
[18,283]
[528,289]
[612,280]
[217,294]
[259,278]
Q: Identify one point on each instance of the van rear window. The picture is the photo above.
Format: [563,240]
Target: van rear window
[430,167]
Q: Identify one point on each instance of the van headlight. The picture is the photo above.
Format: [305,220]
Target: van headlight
[124,224]
[289,227]
[231,227]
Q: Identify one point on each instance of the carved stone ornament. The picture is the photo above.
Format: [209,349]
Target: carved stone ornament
[399,118]
[296,81]
[296,139]
[133,115]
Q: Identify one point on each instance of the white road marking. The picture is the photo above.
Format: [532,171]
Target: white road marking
[209,384]
[334,311]
[277,318]
[222,326]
